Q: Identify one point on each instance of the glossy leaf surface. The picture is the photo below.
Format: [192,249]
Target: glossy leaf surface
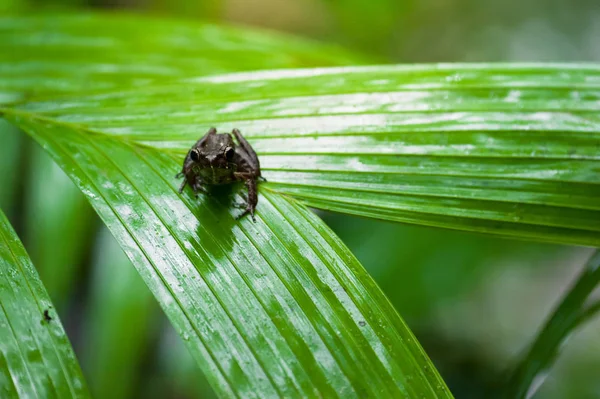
[279,307]
[504,149]
[36,358]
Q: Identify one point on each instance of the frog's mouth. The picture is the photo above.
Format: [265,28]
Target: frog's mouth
[216,175]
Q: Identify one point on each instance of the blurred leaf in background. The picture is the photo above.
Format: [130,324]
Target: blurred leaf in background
[11,169]
[176,374]
[573,309]
[120,324]
[118,54]
[575,373]
[371,25]
[207,10]
[59,226]
[431,265]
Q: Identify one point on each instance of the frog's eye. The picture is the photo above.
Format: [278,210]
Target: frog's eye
[195,155]
[229,153]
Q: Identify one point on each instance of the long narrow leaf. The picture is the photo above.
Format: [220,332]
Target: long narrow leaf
[279,307]
[505,149]
[36,358]
[529,373]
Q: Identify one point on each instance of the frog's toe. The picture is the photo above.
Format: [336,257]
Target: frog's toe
[199,188]
[247,210]
[183,184]
[240,205]
[241,215]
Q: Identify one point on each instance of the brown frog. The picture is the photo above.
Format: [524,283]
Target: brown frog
[217,159]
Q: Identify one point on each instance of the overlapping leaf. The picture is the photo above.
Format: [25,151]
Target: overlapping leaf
[505,149]
[46,55]
[36,358]
[279,308]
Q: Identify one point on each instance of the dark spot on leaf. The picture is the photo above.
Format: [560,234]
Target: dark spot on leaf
[47,317]
[362,323]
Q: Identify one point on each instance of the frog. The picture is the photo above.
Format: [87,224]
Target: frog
[216,159]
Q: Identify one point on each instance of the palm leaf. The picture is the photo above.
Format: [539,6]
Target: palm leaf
[530,371]
[504,149]
[280,307]
[276,308]
[36,358]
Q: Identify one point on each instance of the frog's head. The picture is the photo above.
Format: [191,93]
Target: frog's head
[215,151]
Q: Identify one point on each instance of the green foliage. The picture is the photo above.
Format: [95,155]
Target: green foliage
[304,313]
[510,150]
[571,312]
[118,323]
[56,213]
[84,52]
[36,358]
[281,307]
[9,161]
[319,314]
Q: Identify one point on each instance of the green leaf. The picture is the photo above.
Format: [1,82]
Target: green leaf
[47,54]
[529,373]
[274,308]
[505,149]
[36,358]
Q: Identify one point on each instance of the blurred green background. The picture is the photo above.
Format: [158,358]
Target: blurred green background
[473,301]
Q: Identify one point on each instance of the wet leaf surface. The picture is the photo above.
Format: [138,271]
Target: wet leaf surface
[36,358]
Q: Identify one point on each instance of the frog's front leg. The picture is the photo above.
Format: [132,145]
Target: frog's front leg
[199,187]
[183,183]
[252,200]
[195,183]
[252,197]
[254,162]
